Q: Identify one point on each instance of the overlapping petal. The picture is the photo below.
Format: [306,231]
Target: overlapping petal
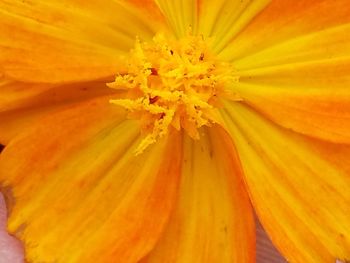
[104,204]
[299,187]
[222,20]
[14,94]
[181,15]
[311,98]
[64,41]
[213,221]
[298,74]
[327,44]
[285,20]
[88,198]
[150,10]
[22,104]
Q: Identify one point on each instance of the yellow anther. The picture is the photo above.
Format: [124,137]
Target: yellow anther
[173,83]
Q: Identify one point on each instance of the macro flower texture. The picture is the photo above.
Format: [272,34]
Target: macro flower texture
[154,130]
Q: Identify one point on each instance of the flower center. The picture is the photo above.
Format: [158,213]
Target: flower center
[173,84]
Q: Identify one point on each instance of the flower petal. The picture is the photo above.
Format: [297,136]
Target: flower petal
[22,104]
[79,192]
[181,15]
[304,97]
[222,20]
[63,41]
[298,186]
[13,94]
[213,221]
[17,95]
[327,44]
[151,10]
[293,83]
[285,20]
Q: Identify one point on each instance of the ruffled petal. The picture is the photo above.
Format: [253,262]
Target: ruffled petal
[213,220]
[64,41]
[285,20]
[78,193]
[22,104]
[298,186]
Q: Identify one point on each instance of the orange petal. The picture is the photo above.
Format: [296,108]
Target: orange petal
[285,20]
[294,83]
[61,41]
[213,221]
[17,95]
[151,10]
[22,104]
[304,97]
[81,195]
[13,94]
[298,186]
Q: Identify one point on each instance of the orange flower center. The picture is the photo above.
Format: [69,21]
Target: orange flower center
[173,84]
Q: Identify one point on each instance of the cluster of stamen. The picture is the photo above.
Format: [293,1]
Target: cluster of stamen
[173,83]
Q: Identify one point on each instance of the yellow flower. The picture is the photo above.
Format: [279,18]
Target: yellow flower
[211,106]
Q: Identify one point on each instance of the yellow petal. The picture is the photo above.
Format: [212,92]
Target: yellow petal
[61,41]
[181,15]
[312,98]
[213,220]
[298,186]
[285,20]
[327,44]
[22,104]
[222,20]
[79,192]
